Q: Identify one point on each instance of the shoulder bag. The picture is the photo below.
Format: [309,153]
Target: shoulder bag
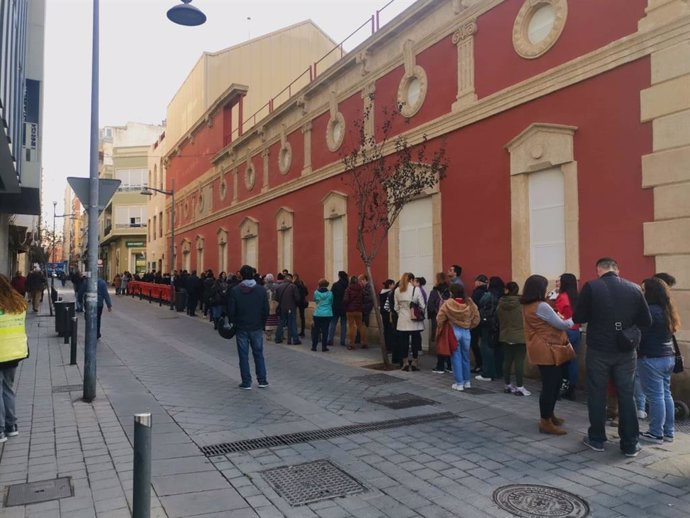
[627,338]
[226,329]
[416,312]
[678,367]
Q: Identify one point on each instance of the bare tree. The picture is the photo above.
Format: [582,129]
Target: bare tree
[384,175]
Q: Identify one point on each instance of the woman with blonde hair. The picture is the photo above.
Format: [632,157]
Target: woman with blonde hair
[409,328]
[13,348]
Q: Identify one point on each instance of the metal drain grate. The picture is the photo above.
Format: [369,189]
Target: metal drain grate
[374,380]
[310,482]
[42,491]
[316,435]
[67,388]
[399,401]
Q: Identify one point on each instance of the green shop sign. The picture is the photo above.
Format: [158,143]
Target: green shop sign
[136,244]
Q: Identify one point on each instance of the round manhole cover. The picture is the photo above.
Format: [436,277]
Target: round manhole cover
[532,501]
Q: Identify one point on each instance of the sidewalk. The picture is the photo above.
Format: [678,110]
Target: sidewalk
[178,368]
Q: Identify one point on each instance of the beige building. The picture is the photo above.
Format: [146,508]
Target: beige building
[157,250]
[72,229]
[123,225]
[270,68]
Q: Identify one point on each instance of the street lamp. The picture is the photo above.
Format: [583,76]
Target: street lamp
[183,15]
[147,191]
[186,14]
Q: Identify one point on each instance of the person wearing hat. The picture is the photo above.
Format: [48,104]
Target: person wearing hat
[481,283]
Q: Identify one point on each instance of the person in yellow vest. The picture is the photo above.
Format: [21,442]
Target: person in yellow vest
[13,348]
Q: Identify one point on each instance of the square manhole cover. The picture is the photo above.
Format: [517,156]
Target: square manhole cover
[67,388]
[42,491]
[310,482]
[399,401]
[374,380]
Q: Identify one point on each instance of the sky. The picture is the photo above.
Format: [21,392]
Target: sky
[144,58]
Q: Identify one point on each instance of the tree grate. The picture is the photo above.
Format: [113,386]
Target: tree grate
[374,380]
[400,401]
[316,435]
[67,388]
[311,481]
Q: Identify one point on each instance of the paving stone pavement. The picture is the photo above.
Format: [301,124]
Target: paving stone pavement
[178,368]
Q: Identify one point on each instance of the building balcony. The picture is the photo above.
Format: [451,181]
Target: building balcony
[112,232]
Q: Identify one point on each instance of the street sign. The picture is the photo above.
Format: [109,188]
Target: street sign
[100,263]
[106,190]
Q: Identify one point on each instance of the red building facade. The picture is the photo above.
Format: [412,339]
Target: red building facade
[555,128]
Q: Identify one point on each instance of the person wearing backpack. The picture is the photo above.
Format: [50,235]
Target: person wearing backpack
[492,357]
[439,294]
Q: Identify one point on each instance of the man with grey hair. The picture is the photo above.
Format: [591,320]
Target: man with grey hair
[613,309]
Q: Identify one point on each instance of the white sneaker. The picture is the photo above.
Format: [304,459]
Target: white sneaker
[467,384]
[521,391]
[482,378]
[641,414]
[509,389]
[457,386]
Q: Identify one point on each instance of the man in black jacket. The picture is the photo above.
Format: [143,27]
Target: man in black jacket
[338,290]
[608,305]
[481,283]
[248,310]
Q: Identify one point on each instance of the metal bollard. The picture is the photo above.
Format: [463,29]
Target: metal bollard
[67,324]
[73,342]
[141,492]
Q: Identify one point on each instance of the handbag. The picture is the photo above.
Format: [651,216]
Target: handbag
[628,338]
[226,329]
[562,353]
[416,312]
[678,367]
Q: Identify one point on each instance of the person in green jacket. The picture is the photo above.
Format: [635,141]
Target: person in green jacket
[512,339]
[323,314]
[13,349]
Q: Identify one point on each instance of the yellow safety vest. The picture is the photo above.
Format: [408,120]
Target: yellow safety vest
[13,343]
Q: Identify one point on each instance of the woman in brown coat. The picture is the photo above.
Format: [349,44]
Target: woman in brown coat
[545,333]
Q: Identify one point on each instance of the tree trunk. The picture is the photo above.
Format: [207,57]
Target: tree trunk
[379,318]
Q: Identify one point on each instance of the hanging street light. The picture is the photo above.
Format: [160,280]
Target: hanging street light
[186,14]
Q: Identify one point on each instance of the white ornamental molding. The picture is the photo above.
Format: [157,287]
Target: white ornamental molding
[249,172]
[531,38]
[285,152]
[413,86]
[362,60]
[335,129]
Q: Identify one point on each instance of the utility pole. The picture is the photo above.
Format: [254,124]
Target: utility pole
[91,301]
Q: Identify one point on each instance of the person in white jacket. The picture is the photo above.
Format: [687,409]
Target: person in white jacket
[408,329]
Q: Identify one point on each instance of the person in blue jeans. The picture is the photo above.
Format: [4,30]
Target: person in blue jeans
[288,297]
[248,311]
[323,314]
[462,314]
[656,359]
